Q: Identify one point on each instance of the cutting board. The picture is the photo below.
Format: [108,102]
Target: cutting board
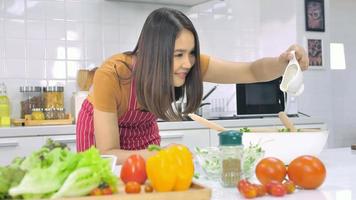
[196,192]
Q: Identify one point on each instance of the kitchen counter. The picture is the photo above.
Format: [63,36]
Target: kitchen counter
[339,184]
[163,126]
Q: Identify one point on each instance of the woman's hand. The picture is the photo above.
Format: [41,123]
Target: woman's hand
[300,54]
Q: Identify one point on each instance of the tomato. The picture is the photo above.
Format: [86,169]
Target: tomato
[96,192]
[132,187]
[289,186]
[307,172]
[249,191]
[242,183]
[270,169]
[148,188]
[261,190]
[277,189]
[134,169]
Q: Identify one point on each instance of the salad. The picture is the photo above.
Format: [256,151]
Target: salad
[53,172]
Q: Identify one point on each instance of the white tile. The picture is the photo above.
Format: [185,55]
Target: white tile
[55,69]
[15,28]
[2,48]
[90,64]
[15,68]
[56,83]
[2,30]
[15,48]
[36,9]
[55,49]
[111,33]
[73,10]
[14,8]
[55,10]
[111,12]
[36,69]
[70,87]
[72,69]
[55,30]
[36,29]
[74,31]
[2,68]
[111,49]
[129,33]
[2,9]
[75,50]
[93,31]
[91,12]
[93,50]
[36,49]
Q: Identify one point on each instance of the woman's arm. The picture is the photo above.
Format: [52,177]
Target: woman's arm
[107,137]
[265,69]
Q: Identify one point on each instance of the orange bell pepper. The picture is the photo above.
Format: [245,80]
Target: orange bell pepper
[170,169]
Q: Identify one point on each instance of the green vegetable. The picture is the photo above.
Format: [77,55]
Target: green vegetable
[79,183]
[244,130]
[10,176]
[251,155]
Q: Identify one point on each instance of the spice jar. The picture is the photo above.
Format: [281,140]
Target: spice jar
[231,150]
[53,97]
[37,114]
[49,113]
[31,98]
[60,114]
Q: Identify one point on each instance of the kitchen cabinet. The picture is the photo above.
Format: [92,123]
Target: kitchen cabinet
[18,147]
[21,141]
[190,138]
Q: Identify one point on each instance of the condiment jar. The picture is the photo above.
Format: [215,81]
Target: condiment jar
[31,98]
[231,150]
[37,114]
[53,97]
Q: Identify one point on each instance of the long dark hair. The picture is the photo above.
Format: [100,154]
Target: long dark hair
[154,72]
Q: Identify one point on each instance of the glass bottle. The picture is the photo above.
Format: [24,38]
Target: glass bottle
[53,97]
[4,107]
[31,98]
[37,114]
[231,150]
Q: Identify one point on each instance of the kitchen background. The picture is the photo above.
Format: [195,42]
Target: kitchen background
[45,42]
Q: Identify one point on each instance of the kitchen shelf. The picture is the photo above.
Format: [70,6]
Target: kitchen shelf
[187,3]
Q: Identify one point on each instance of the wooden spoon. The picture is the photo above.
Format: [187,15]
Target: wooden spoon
[206,122]
[287,122]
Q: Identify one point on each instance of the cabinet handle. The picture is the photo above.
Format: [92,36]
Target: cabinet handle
[66,141]
[9,144]
[172,136]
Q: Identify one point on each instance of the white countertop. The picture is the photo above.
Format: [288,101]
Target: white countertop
[340,182]
[163,126]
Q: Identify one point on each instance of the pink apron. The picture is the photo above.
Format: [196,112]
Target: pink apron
[138,129]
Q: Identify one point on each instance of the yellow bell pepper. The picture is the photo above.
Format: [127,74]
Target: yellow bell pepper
[170,169]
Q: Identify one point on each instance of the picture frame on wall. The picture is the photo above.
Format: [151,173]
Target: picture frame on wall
[314,15]
[315,53]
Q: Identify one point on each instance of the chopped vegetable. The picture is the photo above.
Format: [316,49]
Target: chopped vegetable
[244,130]
[251,155]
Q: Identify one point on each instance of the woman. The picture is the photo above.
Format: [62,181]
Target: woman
[133,89]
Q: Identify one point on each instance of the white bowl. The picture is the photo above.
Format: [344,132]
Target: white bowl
[286,146]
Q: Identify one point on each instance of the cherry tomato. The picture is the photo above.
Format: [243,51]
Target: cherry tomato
[270,169]
[242,183]
[249,191]
[96,192]
[148,188]
[307,172]
[132,187]
[261,190]
[106,191]
[277,190]
[134,169]
[289,186]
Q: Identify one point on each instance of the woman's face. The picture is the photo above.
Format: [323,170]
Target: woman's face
[184,57]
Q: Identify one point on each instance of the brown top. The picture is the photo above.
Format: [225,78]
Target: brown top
[110,94]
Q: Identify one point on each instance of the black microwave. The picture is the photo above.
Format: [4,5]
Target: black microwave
[259,99]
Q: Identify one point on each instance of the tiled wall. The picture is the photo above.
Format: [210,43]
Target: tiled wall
[45,42]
